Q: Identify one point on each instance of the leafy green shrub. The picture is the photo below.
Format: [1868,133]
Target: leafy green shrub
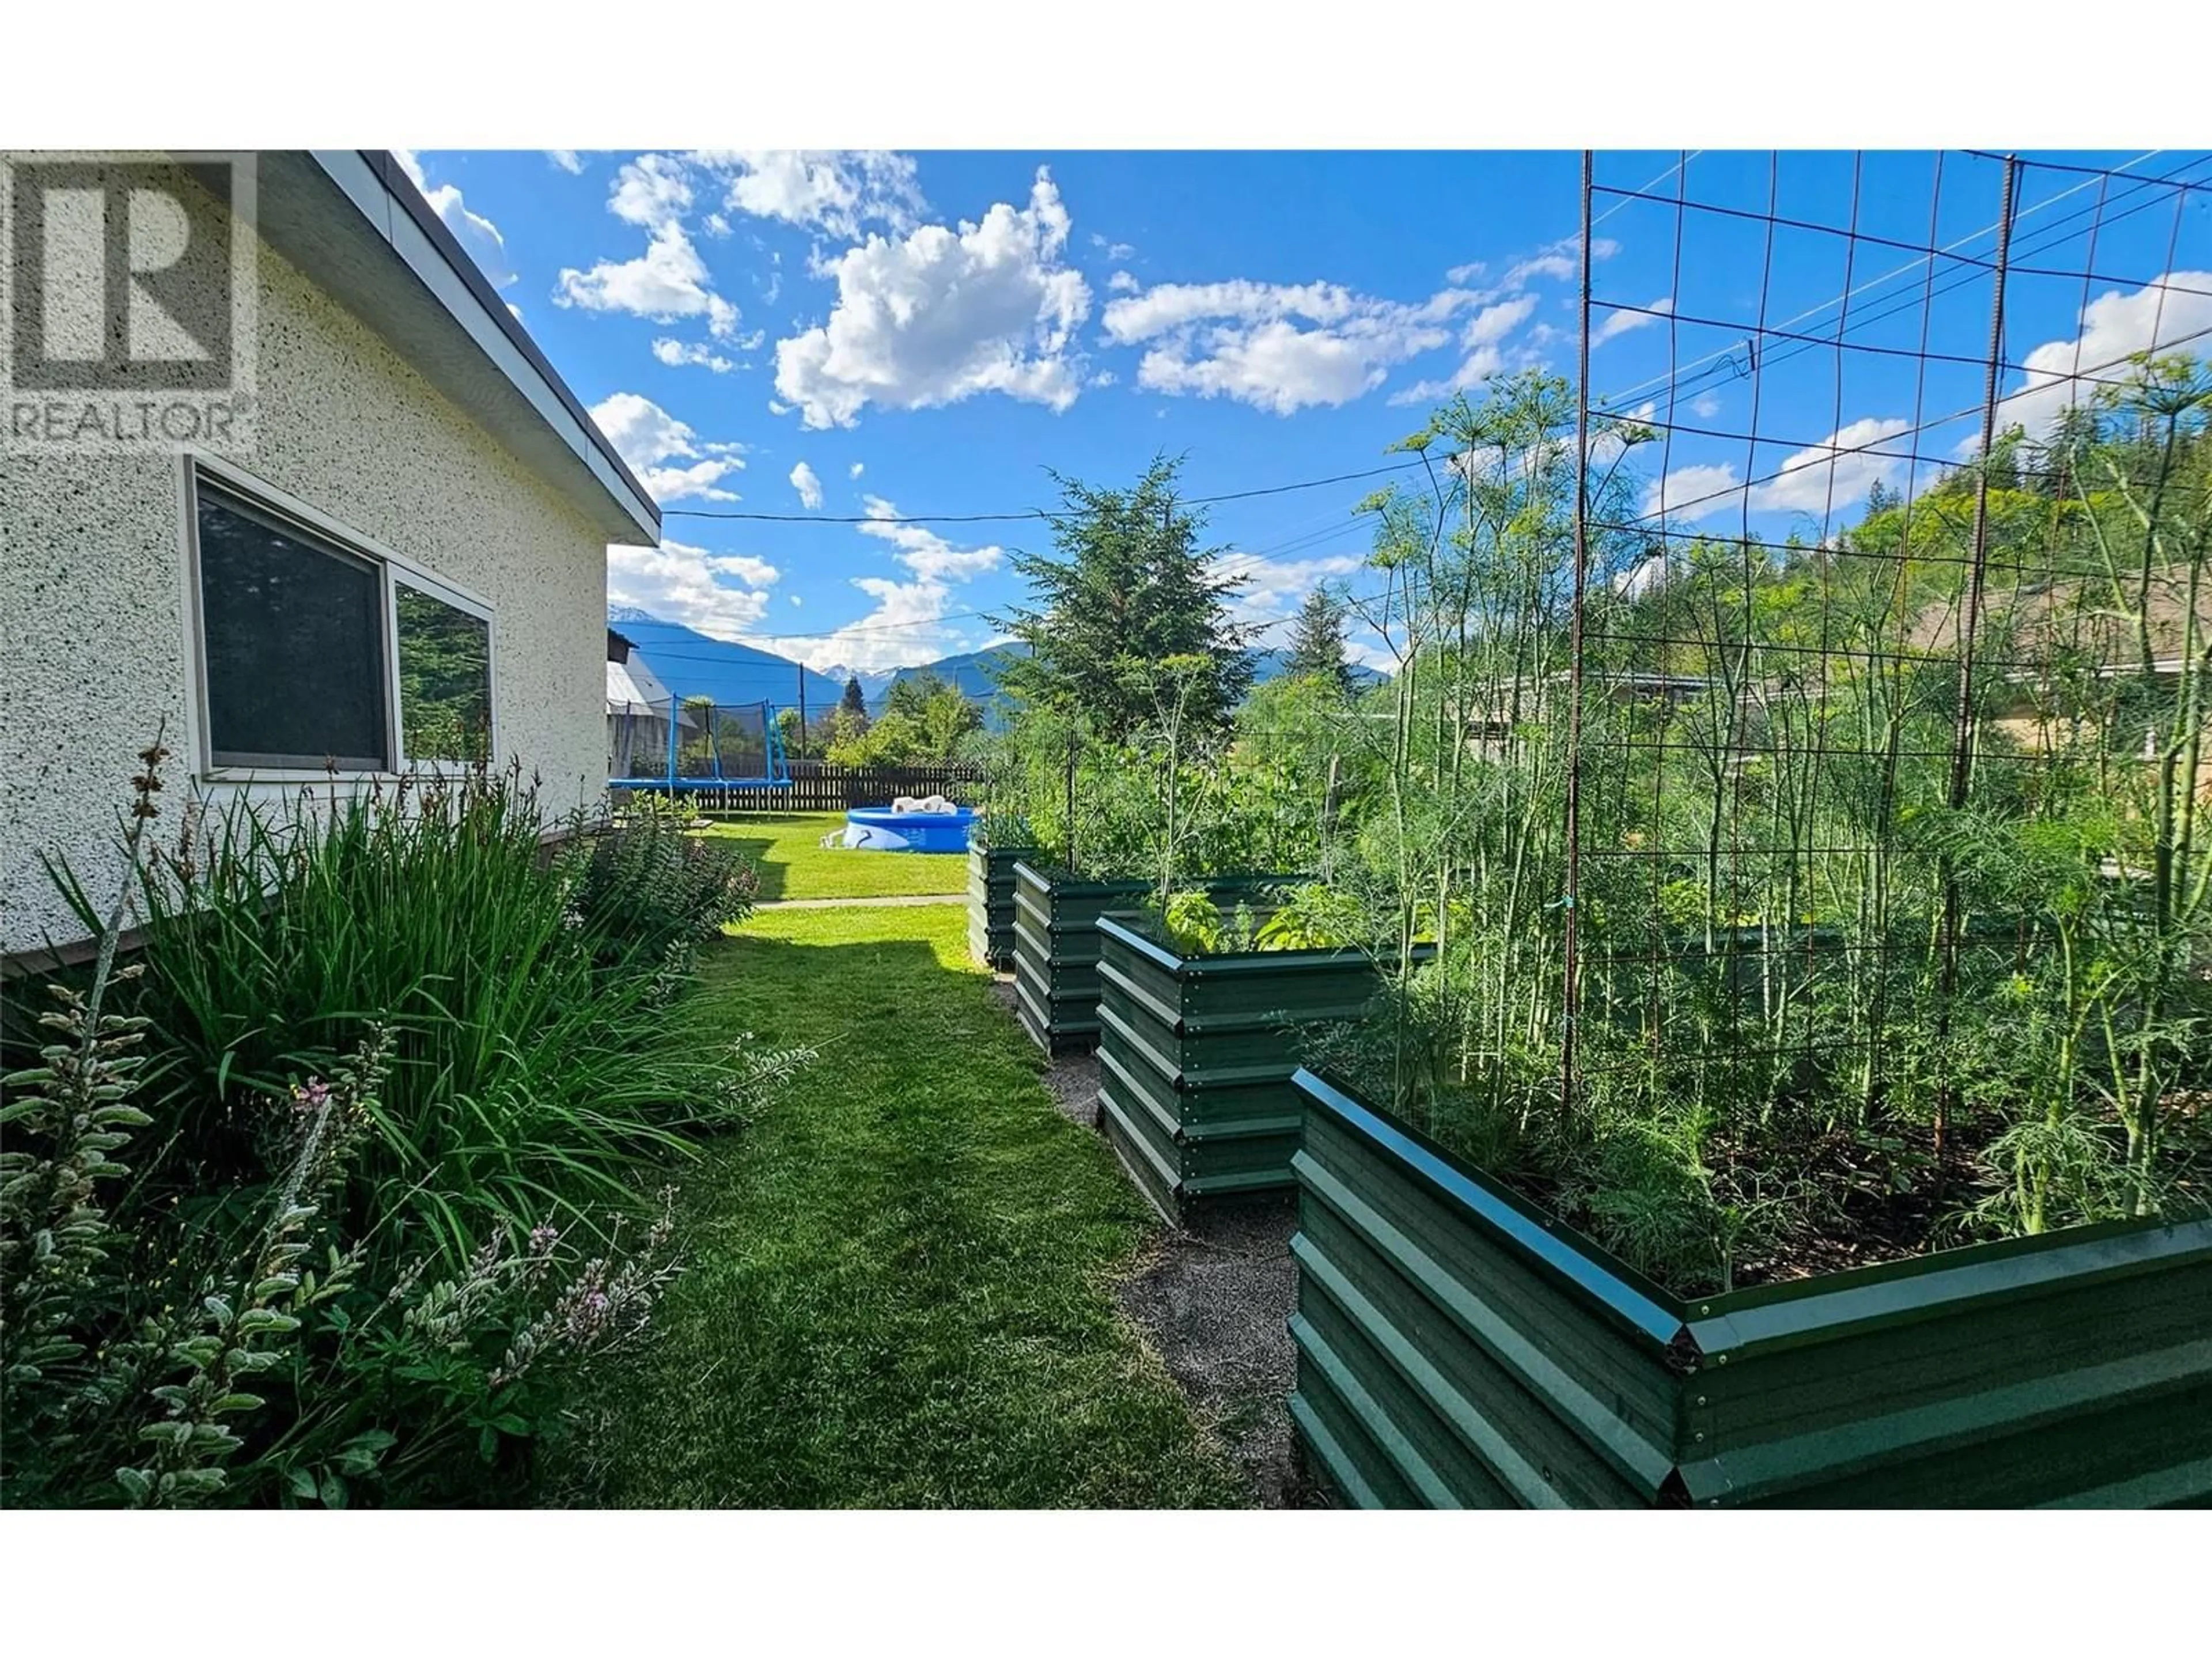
[649,886]
[1192,923]
[1312,916]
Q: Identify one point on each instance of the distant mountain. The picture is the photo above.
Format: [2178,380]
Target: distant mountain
[874,682]
[974,673]
[1270,664]
[693,665]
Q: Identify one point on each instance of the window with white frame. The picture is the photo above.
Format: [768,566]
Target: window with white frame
[317,651]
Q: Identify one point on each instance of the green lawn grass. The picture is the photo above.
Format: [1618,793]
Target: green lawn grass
[794,865]
[899,1282]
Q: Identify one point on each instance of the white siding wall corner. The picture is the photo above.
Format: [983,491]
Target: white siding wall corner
[96,650]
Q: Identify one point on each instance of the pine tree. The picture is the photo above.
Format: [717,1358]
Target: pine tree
[1127,589]
[854,702]
[1317,642]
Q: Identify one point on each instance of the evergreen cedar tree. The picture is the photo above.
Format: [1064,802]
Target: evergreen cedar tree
[910,693]
[923,721]
[1317,642]
[1126,588]
[854,703]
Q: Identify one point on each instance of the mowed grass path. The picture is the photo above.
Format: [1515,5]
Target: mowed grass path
[899,1289]
[794,865]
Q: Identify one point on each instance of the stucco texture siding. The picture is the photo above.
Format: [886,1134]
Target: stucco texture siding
[92,604]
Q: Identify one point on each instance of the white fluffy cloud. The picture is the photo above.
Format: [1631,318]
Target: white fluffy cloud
[657,445]
[1618,323]
[1274,589]
[1484,341]
[1282,369]
[912,620]
[940,315]
[1243,339]
[1283,347]
[476,235]
[834,191]
[1173,306]
[651,191]
[1828,475]
[682,584]
[566,159]
[1370,651]
[1694,492]
[1561,261]
[1835,471]
[923,550]
[1494,322]
[677,353]
[2114,326]
[752,571]
[1122,283]
[808,486]
[667,282]
[858,468]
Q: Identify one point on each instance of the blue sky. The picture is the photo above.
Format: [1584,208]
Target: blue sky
[821,333]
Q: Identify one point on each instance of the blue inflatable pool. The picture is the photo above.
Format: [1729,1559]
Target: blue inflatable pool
[879,830]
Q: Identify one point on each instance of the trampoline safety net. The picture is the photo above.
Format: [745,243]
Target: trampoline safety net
[694,742]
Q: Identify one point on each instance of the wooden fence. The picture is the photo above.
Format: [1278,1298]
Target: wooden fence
[821,787]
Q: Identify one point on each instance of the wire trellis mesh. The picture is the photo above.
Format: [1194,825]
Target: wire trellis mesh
[1884,749]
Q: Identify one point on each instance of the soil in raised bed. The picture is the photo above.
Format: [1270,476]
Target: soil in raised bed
[1860,1202]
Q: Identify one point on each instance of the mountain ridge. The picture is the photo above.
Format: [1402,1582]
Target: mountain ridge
[692,663]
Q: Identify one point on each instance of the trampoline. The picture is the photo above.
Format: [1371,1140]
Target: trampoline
[693,745]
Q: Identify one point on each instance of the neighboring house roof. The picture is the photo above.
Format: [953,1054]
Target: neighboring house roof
[354,223]
[634,689]
[626,696]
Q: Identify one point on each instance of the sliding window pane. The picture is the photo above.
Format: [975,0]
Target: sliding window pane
[444,680]
[294,637]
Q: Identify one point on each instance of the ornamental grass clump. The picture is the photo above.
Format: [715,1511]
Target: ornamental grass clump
[536,1053]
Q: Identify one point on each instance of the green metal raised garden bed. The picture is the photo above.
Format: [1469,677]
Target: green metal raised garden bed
[1196,1058]
[1457,1347]
[991,902]
[1056,946]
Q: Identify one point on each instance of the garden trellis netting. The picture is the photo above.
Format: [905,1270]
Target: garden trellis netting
[1801,730]
[694,744]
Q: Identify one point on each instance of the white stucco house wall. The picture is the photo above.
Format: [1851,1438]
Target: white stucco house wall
[416,472]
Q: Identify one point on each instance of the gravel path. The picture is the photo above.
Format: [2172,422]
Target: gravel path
[1214,1297]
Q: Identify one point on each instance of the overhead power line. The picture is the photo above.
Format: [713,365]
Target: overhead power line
[1027,514]
[1721,363]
